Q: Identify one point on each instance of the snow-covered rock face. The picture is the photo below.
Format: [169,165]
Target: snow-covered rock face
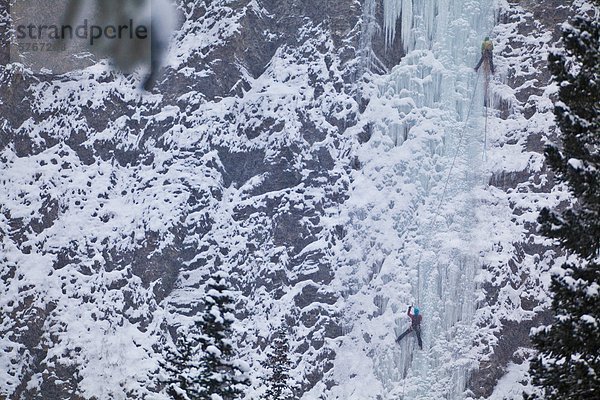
[116,205]
[284,146]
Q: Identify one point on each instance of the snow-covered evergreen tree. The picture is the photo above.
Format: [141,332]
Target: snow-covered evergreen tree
[279,384]
[568,363]
[221,376]
[202,364]
[181,366]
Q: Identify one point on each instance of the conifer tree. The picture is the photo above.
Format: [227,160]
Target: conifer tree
[221,376]
[201,366]
[568,363]
[181,366]
[279,385]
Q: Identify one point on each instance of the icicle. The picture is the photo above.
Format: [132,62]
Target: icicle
[407,24]
[391,13]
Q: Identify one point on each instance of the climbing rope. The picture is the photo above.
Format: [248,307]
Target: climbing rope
[486,94]
[486,68]
[486,103]
[485,134]
[460,138]
[442,198]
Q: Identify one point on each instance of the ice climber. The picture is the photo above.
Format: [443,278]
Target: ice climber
[415,325]
[486,54]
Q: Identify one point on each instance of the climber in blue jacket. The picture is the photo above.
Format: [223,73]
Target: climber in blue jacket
[415,325]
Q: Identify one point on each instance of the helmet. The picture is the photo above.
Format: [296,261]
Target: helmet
[487,38]
[416,310]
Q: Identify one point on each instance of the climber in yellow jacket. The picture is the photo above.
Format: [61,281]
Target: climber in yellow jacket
[486,53]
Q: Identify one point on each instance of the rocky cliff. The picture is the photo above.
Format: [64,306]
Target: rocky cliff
[249,157]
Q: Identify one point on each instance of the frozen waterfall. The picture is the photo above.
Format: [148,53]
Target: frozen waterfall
[412,236]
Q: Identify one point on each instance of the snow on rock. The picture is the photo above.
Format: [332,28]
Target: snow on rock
[286,146]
